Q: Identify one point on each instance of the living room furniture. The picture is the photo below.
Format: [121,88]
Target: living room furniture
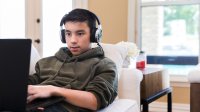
[128,99]
[34,58]
[154,85]
[194,79]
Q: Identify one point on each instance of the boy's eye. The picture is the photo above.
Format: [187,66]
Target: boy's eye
[67,34]
[80,33]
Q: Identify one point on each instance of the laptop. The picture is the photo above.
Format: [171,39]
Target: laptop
[14,71]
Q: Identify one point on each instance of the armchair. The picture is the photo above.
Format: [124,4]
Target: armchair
[128,99]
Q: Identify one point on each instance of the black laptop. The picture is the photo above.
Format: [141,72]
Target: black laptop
[14,71]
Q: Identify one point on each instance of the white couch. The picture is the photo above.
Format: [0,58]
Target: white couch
[128,99]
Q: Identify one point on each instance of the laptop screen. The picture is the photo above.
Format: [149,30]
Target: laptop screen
[14,71]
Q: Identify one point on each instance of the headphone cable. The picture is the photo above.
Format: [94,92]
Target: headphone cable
[100,46]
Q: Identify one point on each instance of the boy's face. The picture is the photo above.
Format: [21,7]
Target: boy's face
[77,35]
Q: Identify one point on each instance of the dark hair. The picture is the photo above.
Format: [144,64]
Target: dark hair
[81,15]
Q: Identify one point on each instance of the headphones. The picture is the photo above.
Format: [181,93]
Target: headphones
[95,35]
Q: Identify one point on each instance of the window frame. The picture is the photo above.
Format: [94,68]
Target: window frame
[166,59]
[134,29]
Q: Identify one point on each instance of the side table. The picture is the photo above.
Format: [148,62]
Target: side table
[153,86]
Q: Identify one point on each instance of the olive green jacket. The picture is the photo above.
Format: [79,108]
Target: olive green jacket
[90,71]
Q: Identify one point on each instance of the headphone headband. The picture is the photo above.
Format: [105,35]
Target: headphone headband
[95,35]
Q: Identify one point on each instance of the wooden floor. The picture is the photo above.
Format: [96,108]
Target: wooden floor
[164,110]
[162,107]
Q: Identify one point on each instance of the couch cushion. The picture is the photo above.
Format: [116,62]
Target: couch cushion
[34,58]
[122,105]
[117,53]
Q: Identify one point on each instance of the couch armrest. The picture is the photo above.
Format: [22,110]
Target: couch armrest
[122,105]
[193,75]
[129,84]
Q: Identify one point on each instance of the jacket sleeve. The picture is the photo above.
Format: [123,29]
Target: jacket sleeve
[105,83]
[34,78]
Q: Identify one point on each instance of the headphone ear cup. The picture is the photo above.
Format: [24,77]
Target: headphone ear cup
[98,35]
[92,37]
[62,36]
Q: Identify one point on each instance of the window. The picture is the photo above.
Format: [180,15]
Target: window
[52,12]
[12,19]
[170,33]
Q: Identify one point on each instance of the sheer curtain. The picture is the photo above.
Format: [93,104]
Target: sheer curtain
[133,21]
[12,18]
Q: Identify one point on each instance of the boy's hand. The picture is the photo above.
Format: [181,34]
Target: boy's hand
[39,91]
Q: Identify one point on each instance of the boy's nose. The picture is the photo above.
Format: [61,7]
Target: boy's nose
[73,39]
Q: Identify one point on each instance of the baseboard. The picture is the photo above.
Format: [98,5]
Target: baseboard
[162,107]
